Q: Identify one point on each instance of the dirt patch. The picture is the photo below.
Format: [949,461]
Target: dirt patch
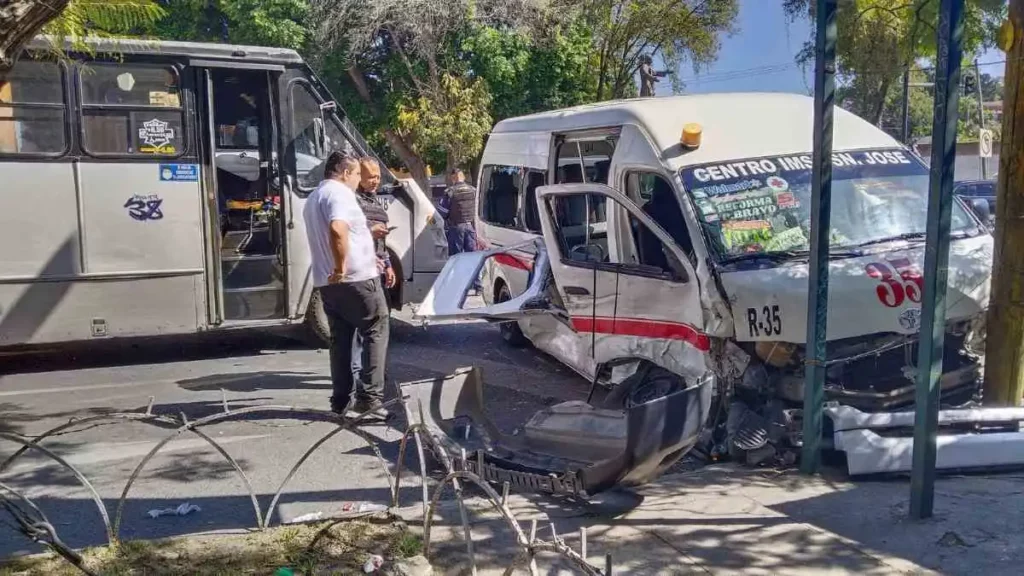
[304,549]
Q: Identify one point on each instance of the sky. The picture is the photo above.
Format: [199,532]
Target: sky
[760,56]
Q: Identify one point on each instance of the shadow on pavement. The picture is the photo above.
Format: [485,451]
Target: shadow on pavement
[135,351]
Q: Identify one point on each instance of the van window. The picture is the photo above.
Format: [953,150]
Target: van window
[131,109]
[306,114]
[499,204]
[762,205]
[653,193]
[32,111]
[584,161]
[582,232]
[534,179]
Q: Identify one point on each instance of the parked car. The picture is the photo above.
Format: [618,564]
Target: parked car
[980,195]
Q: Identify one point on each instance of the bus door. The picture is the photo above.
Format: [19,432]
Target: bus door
[246,248]
[311,129]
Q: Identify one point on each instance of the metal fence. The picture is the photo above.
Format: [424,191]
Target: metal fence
[33,523]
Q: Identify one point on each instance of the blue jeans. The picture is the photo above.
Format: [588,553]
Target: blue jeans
[462,238]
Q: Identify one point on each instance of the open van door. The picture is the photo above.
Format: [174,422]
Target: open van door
[607,269]
[626,285]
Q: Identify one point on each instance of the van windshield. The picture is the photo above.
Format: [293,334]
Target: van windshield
[763,205]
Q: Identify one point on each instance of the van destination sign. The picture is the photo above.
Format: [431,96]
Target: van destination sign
[763,167]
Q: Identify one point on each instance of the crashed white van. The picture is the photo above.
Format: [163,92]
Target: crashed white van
[626,255]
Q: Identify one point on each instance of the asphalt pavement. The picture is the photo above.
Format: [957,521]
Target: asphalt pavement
[194,377]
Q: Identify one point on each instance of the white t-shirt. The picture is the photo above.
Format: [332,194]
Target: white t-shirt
[331,201]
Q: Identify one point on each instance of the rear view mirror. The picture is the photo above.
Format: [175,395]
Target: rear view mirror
[982,209]
[319,138]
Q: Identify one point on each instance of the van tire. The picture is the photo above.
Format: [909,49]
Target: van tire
[649,383]
[510,331]
[318,330]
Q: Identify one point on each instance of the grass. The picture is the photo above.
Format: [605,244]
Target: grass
[320,548]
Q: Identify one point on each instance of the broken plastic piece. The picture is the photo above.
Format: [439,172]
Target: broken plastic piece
[311,517]
[183,509]
[372,564]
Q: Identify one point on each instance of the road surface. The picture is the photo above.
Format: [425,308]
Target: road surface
[40,391]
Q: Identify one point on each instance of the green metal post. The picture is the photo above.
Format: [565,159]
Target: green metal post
[936,259]
[821,212]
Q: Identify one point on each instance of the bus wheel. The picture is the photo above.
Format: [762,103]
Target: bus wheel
[510,331]
[318,331]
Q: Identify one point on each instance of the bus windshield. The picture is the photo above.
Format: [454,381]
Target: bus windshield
[763,205]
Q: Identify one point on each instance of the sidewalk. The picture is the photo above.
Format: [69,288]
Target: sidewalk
[731,520]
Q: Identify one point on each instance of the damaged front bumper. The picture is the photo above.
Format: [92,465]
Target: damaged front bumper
[570,448]
[967,439]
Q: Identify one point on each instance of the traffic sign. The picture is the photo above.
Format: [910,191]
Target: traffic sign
[985,143]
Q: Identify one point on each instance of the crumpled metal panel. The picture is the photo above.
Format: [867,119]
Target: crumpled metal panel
[658,434]
[447,296]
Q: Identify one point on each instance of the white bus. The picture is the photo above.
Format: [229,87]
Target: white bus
[157,188]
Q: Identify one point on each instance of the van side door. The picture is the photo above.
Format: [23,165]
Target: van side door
[625,284]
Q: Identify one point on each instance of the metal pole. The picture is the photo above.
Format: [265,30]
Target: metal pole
[936,259]
[981,113]
[821,211]
[906,108]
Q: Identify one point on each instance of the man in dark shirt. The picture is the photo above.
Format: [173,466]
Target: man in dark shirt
[377,221]
[461,213]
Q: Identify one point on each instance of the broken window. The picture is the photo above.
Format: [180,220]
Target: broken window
[586,236]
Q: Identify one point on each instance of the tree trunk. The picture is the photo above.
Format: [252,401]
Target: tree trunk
[398,144]
[1004,351]
[20,21]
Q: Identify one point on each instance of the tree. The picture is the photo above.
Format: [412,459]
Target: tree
[1004,349]
[69,20]
[881,39]
[403,59]
[676,30]
[278,23]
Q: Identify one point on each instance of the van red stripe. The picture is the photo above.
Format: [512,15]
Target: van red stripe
[644,328]
[512,262]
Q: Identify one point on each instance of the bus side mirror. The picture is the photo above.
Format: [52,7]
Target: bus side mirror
[319,138]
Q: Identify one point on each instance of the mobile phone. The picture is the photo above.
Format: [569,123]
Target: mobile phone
[390,228]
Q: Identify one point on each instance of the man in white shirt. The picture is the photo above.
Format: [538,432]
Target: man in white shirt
[345,272]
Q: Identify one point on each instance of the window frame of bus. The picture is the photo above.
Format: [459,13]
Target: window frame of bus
[64,106]
[483,194]
[290,157]
[82,107]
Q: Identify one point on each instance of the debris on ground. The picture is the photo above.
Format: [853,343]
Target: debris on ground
[325,548]
[183,509]
[373,563]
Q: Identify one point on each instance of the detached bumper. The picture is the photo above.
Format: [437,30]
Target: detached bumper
[971,438]
[571,448]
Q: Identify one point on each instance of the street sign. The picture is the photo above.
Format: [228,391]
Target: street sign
[985,143]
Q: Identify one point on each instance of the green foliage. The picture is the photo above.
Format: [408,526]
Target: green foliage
[678,31]
[526,75]
[879,39]
[83,19]
[456,120]
[280,23]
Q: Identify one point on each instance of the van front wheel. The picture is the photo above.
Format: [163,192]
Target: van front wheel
[510,331]
[318,331]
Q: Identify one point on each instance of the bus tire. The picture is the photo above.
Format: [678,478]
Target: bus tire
[318,330]
[510,331]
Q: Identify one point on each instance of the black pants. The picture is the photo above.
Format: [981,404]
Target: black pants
[350,307]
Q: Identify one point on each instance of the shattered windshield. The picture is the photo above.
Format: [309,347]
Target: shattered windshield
[763,205]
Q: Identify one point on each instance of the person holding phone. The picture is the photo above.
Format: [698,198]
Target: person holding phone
[377,222]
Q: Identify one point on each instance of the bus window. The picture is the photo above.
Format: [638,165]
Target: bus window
[32,112]
[309,162]
[131,109]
